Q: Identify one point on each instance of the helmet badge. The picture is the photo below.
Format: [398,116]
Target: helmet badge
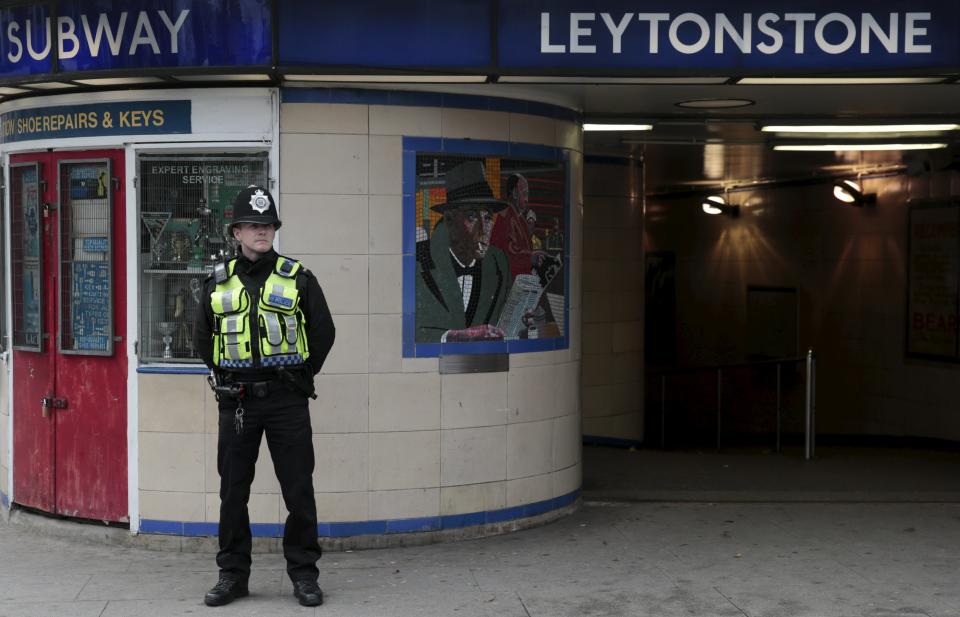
[259,201]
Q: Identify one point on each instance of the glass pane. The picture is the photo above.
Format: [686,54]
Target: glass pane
[86,279]
[185,204]
[26,256]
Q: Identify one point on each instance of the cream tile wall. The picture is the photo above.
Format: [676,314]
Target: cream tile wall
[612,283]
[393,438]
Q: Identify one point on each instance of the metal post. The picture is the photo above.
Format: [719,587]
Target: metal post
[663,411]
[779,407]
[813,407]
[808,421]
[719,402]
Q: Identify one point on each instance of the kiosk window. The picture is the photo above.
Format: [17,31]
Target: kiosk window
[185,205]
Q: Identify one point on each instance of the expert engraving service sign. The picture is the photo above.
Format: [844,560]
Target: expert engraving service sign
[127,118]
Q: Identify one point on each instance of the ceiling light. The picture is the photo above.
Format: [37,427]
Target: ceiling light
[8,90]
[560,79]
[850,192]
[855,147]
[420,79]
[592,126]
[47,85]
[715,103]
[836,81]
[715,204]
[233,77]
[859,128]
[117,81]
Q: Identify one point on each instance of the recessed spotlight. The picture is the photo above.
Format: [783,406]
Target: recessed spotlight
[715,103]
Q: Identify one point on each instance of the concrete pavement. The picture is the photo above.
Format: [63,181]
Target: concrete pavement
[662,534]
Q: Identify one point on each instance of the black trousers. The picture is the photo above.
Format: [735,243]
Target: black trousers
[285,418]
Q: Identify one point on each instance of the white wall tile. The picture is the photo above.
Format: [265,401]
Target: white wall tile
[341,405]
[323,118]
[409,503]
[211,412]
[400,120]
[529,129]
[342,507]
[566,442]
[404,402]
[568,394]
[532,393]
[349,353]
[341,463]
[323,224]
[473,455]
[172,506]
[421,365]
[529,490]
[474,399]
[473,498]
[330,164]
[386,343]
[386,224]
[569,136]
[386,165]
[386,284]
[567,480]
[171,403]
[171,462]
[404,460]
[529,448]
[475,124]
[343,279]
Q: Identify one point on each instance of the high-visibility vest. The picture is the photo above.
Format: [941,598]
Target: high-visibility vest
[282,333]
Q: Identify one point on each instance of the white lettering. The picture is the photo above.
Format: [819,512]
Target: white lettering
[777,38]
[799,18]
[616,30]
[103,25]
[174,28]
[67,33]
[911,31]
[742,41]
[701,42]
[654,19]
[546,47]
[847,41]
[143,35]
[46,49]
[869,25]
[12,28]
[576,32]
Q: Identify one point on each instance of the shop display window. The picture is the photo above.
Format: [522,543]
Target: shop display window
[185,205]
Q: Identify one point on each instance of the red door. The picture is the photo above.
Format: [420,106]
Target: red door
[69,362]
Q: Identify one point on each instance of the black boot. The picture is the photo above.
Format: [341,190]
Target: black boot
[226,591]
[308,592]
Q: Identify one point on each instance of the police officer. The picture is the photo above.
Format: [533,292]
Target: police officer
[264,330]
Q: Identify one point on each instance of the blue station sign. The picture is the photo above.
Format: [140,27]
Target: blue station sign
[733,36]
[129,34]
[122,118]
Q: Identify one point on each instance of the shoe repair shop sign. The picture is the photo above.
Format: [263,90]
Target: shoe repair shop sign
[127,118]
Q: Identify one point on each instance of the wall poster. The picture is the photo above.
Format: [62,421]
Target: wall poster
[488,268]
[933,288]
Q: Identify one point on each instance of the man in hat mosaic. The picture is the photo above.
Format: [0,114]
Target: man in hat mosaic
[264,330]
[462,281]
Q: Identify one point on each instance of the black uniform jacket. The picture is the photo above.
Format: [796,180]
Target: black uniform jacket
[253,274]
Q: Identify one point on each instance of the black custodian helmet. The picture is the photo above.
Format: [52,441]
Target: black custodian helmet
[255,204]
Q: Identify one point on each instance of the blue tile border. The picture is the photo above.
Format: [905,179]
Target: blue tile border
[596,440]
[174,370]
[366,528]
[411,147]
[361,96]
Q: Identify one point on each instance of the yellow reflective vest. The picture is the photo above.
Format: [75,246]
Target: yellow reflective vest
[282,338]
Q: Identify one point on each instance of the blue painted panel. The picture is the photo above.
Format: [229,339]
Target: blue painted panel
[120,34]
[25,44]
[385,33]
[127,118]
